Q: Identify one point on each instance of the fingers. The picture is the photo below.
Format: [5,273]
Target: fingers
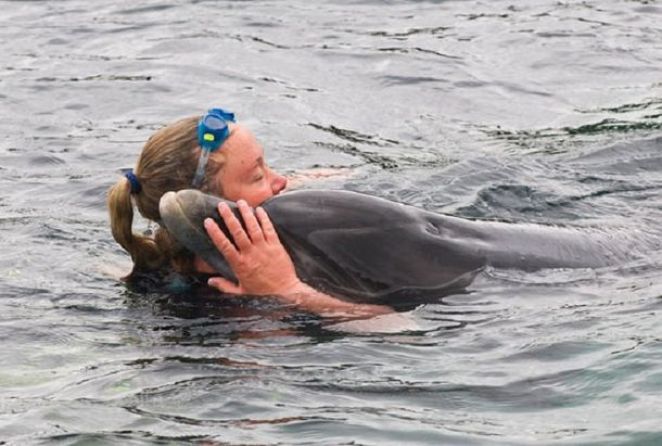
[225,286]
[252,227]
[236,230]
[221,242]
[268,229]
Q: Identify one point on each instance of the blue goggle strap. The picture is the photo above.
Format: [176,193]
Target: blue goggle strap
[213,130]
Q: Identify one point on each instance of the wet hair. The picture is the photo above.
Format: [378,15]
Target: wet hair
[167,163]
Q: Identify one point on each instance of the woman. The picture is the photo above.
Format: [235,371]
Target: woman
[237,171]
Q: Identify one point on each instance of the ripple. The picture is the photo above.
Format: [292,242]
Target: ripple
[411,80]
[144,9]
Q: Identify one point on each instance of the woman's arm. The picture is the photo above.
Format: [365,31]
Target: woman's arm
[263,266]
[300,177]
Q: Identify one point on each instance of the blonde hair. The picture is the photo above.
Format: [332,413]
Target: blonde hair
[167,163]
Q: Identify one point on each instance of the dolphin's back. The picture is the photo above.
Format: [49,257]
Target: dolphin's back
[356,245]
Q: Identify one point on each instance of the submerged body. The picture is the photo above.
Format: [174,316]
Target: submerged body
[367,249]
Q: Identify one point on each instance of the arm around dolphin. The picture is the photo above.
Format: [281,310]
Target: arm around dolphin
[262,266]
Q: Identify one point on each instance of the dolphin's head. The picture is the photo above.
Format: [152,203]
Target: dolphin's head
[183,213]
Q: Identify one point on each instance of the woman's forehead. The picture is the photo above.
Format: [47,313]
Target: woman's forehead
[240,135]
[242,148]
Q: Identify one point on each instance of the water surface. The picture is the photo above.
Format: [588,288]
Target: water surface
[526,111]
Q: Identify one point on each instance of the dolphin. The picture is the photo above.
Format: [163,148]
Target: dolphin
[362,248]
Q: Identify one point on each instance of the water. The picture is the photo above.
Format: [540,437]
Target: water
[528,111]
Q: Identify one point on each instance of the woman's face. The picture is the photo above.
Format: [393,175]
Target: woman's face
[245,174]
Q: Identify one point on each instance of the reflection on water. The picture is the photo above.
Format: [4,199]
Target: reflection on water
[541,111]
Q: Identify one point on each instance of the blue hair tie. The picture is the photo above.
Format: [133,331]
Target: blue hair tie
[135,184]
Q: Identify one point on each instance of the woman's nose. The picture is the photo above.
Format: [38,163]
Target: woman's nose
[278,183]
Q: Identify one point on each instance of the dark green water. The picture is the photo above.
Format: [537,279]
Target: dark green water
[528,111]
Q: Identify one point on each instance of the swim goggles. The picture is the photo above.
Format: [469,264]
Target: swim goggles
[213,130]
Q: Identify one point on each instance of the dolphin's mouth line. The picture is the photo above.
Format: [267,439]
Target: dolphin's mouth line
[195,228]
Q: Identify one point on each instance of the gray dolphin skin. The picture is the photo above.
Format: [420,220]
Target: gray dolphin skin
[366,249]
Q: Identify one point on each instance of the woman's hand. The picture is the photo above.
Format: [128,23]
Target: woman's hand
[259,260]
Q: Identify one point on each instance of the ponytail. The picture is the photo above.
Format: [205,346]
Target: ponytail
[144,250]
